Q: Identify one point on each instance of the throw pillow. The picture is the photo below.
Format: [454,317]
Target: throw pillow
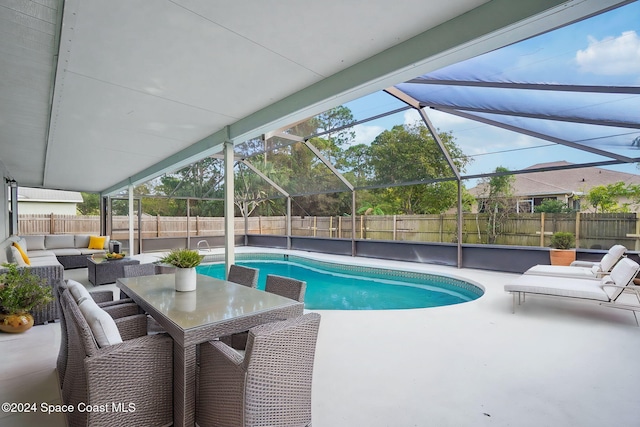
[96,242]
[23,254]
[104,328]
[17,257]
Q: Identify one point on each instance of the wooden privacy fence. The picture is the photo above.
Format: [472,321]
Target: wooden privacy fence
[591,230]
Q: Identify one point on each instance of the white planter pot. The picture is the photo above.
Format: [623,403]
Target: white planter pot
[185,279]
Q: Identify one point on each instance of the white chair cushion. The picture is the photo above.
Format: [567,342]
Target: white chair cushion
[611,257]
[17,257]
[621,275]
[104,328]
[78,291]
[558,286]
[563,271]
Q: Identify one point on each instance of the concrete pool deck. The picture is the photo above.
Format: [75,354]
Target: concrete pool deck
[552,363]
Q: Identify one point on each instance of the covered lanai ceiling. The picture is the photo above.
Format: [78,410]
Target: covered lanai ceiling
[97,95]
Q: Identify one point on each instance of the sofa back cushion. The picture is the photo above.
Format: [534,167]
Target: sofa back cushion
[59,241]
[82,240]
[34,243]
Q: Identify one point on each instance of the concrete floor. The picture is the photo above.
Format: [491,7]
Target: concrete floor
[552,363]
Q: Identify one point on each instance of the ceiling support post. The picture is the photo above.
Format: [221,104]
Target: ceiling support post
[229,208]
[132,246]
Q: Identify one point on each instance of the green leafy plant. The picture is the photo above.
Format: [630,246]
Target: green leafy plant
[22,291]
[563,240]
[553,206]
[183,258]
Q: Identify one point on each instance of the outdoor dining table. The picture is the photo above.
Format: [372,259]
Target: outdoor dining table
[216,308]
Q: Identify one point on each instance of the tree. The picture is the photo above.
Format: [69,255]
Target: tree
[408,153]
[553,206]
[605,197]
[498,201]
[90,204]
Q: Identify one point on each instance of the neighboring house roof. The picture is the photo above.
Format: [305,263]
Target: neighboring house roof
[41,195]
[561,182]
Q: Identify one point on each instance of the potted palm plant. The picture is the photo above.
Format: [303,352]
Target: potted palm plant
[185,261]
[20,292]
[563,248]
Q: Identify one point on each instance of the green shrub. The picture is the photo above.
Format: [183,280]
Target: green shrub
[183,258]
[563,240]
[21,291]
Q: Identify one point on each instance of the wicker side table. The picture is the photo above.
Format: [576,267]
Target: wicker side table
[105,271]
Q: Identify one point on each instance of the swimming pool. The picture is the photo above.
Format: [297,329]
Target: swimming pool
[332,286]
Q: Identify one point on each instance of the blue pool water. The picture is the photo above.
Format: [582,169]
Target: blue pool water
[342,287]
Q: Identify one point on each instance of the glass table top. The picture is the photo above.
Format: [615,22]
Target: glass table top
[213,300]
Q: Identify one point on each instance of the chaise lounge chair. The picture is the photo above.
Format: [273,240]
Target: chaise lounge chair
[606,292]
[582,269]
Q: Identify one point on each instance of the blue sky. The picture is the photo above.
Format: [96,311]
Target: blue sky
[602,50]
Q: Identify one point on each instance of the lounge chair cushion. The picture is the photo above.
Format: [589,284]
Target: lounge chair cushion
[558,286]
[104,328]
[611,257]
[621,275]
[582,269]
[565,271]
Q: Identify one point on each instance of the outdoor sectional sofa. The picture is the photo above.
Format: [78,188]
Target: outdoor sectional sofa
[48,256]
[69,250]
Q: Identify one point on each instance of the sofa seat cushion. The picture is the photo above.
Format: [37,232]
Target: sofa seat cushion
[40,254]
[43,261]
[66,252]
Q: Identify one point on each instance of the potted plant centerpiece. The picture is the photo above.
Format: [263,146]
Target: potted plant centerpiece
[20,292]
[185,261]
[563,251]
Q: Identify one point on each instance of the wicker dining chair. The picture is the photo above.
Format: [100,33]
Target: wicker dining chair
[138,370]
[105,300]
[137,270]
[245,276]
[287,287]
[284,286]
[269,386]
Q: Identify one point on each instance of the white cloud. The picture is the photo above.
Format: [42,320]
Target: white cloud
[612,55]
[366,134]
[411,117]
